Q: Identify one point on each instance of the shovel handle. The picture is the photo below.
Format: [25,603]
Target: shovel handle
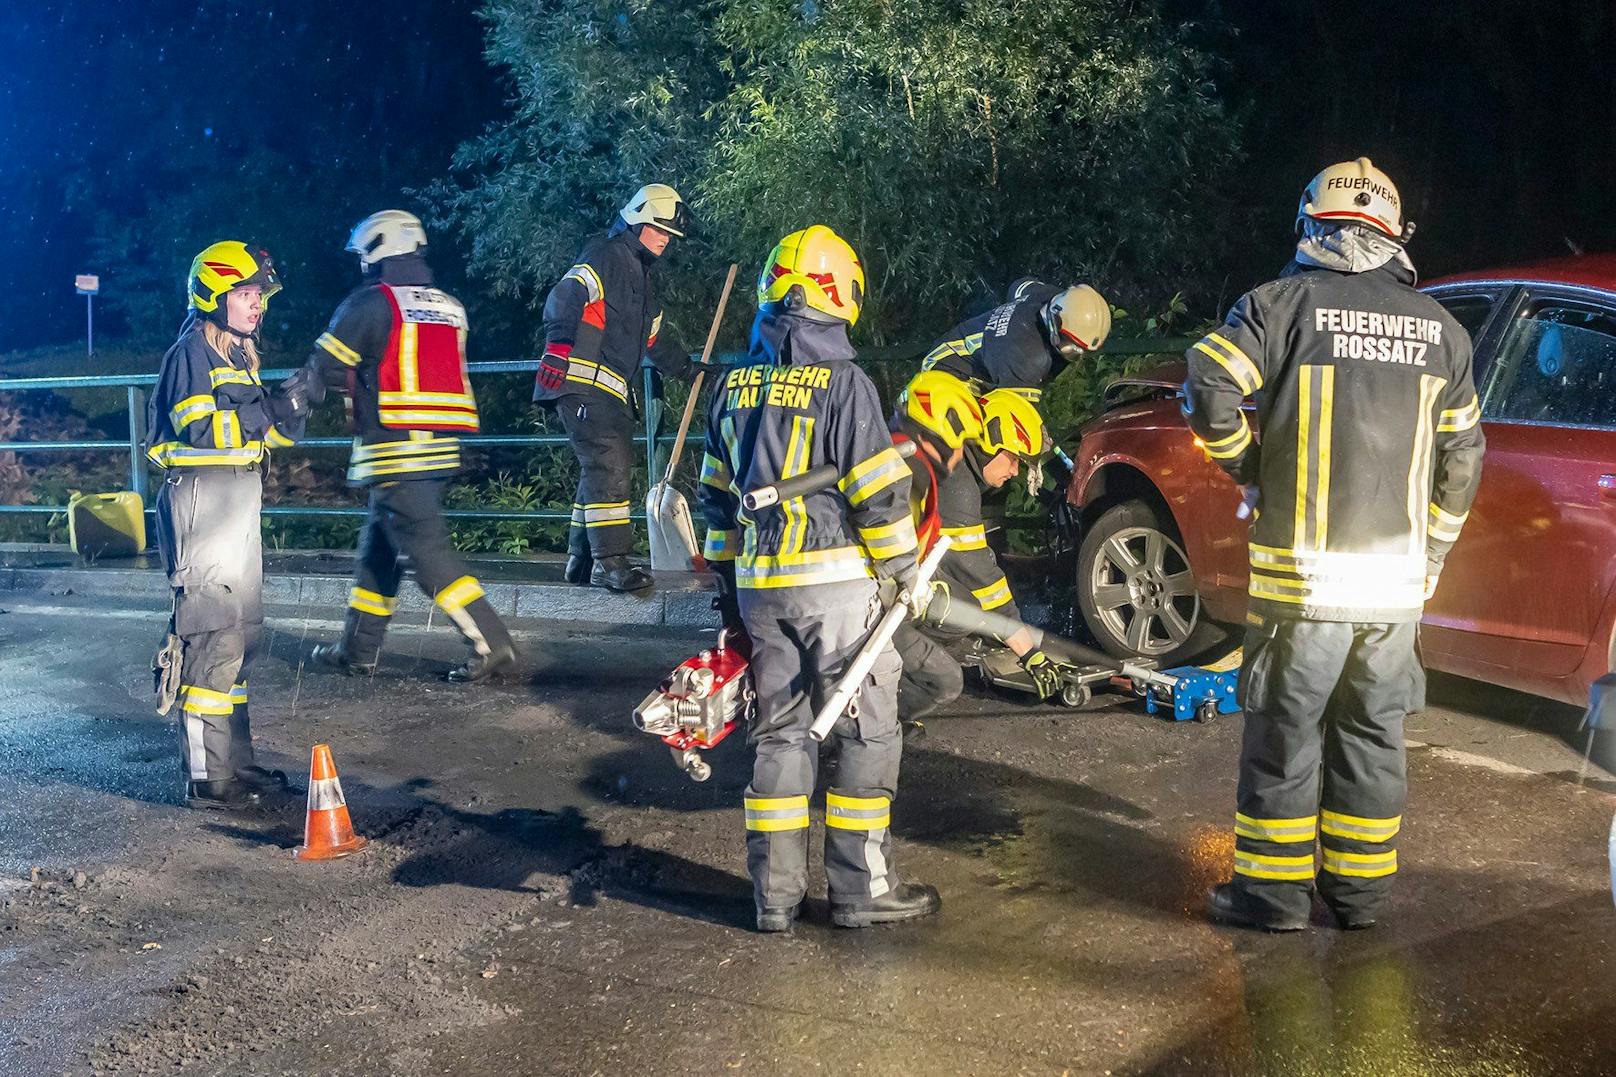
[695,383]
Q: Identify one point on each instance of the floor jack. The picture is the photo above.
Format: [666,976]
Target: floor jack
[1185,693]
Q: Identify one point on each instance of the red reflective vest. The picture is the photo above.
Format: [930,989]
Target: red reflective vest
[422,383]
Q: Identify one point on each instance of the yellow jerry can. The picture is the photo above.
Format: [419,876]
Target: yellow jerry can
[106,525]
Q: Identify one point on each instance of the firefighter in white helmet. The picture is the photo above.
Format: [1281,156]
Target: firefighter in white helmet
[600,321]
[1369,457]
[397,346]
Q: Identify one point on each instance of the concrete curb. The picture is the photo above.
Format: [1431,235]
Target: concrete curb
[680,600]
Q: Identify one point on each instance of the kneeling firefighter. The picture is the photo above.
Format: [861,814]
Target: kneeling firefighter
[940,414]
[1013,434]
[599,320]
[800,580]
[212,424]
[397,347]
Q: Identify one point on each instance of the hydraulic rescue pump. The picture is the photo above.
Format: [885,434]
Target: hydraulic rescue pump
[699,704]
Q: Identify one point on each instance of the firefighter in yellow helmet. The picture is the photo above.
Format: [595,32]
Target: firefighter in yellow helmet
[803,576]
[942,415]
[212,424]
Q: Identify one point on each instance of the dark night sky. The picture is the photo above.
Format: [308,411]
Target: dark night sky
[1499,128]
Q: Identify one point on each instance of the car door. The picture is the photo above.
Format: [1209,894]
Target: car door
[1524,587]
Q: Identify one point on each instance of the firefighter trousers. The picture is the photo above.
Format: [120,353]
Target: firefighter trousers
[406,521]
[797,659]
[931,676]
[212,550]
[1322,760]
[601,430]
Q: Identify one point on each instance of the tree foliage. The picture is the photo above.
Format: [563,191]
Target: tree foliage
[957,143]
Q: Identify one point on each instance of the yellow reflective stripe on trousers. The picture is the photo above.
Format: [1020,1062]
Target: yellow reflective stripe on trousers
[890,540]
[777,813]
[857,813]
[1419,464]
[604,514]
[337,350]
[372,602]
[1283,831]
[1282,868]
[871,476]
[965,539]
[994,595]
[1359,828]
[1360,865]
[189,410]
[459,594]
[198,700]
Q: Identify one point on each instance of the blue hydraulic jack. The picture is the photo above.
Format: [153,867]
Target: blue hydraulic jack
[1191,693]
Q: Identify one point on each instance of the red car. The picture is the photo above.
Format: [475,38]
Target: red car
[1528,597]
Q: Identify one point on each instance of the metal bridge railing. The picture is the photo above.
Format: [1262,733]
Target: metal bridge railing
[135,386]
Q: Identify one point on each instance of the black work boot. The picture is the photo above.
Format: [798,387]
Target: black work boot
[482,667]
[771,919]
[335,656]
[616,574]
[252,789]
[577,570]
[910,901]
[1227,903]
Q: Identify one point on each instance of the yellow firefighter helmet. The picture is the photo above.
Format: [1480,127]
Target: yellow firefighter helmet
[1011,423]
[224,266]
[943,406]
[817,269]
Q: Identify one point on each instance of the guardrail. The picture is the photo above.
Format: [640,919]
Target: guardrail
[135,386]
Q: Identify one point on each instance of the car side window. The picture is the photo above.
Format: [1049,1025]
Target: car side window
[1557,364]
[1469,311]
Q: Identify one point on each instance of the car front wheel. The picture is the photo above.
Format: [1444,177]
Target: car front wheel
[1136,590]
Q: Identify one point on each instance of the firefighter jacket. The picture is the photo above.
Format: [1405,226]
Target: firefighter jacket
[802,404]
[600,319]
[1370,444]
[207,411]
[398,347]
[1006,348]
[951,504]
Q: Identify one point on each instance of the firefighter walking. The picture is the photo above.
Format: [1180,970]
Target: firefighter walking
[803,574]
[212,424]
[397,346]
[599,320]
[1369,458]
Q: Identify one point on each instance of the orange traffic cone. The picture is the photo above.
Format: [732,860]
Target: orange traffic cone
[328,833]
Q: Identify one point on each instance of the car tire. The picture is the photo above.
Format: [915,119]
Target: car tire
[1136,590]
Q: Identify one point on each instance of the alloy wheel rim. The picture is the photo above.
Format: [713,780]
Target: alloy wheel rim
[1144,592]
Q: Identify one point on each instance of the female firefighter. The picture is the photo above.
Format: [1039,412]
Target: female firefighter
[212,424]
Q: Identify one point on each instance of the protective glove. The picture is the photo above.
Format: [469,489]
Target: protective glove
[1046,673]
[897,580]
[729,607]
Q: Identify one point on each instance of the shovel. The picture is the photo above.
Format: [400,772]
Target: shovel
[667,515]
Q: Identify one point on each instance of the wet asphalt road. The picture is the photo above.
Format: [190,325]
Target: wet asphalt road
[544,893]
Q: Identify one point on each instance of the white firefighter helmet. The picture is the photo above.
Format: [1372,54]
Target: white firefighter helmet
[1077,321]
[1354,192]
[385,235]
[658,205]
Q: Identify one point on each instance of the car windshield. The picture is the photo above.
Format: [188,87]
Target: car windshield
[1557,365]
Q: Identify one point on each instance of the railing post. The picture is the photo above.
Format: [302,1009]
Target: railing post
[137,435]
[651,415]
